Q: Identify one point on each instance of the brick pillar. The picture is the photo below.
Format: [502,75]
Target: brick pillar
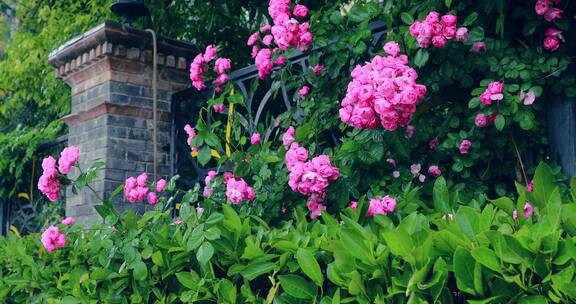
[109,70]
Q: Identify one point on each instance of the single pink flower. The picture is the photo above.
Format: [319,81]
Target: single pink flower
[392,48]
[551,43]
[160,185]
[481,120]
[434,171]
[478,47]
[210,53]
[68,221]
[449,20]
[255,138]
[317,69]
[152,198]
[353,205]
[52,238]
[461,34]
[300,11]
[465,146]
[304,91]
[218,108]
[68,157]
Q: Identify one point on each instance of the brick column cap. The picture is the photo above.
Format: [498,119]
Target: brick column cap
[98,42]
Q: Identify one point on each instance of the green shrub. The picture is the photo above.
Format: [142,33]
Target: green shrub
[480,254]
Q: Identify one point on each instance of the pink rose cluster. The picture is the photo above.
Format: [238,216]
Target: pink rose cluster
[437,30]
[52,238]
[493,92]
[48,182]
[383,206]
[310,177]
[237,190]
[200,65]
[383,91]
[546,9]
[285,31]
[136,189]
[552,39]
[191,135]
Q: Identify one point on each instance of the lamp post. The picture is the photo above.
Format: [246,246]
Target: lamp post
[129,9]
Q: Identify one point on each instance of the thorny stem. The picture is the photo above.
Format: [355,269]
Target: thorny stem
[519,158]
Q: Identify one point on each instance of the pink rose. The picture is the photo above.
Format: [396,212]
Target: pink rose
[218,108]
[553,14]
[304,91]
[280,61]
[317,69]
[528,211]
[439,41]
[485,98]
[481,120]
[551,43]
[300,11]
[410,131]
[392,48]
[152,198]
[461,34]
[478,47]
[449,32]
[160,185]
[253,38]
[267,40]
[415,169]
[222,65]
[255,138]
[142,179]
[353,205]
[52,238]
[495,87]
[542,6]
[465,146]
[288,137]
[210,53]
[68,157]
[449,20]
[434,171]
[68,221]
[432,17]
[432,144]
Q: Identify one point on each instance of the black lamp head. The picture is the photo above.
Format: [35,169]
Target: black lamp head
[129,9]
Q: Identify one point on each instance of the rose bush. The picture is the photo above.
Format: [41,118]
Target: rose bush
[378,186]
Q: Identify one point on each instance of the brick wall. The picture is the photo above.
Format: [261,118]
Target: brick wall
[109,70]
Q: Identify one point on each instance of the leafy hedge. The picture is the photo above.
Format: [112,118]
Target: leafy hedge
[481,255]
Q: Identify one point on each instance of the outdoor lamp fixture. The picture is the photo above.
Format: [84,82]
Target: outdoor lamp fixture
[129,9]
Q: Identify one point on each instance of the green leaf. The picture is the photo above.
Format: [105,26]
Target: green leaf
[188,279]
[421,57]
[359,13]
[400,243]
[406,18]
[157,258]
[309,266]
[464,270]
[544,184]
[204,155]
[470,19]
[499,122]
[254,270]
[205,253]
[355,244]
[487,258]
[441,196]
[448,3]
[533,300]
[298,287]
[476,34]
[227,291]
[140,271]
[505,204]
[196,238]
[469,221]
